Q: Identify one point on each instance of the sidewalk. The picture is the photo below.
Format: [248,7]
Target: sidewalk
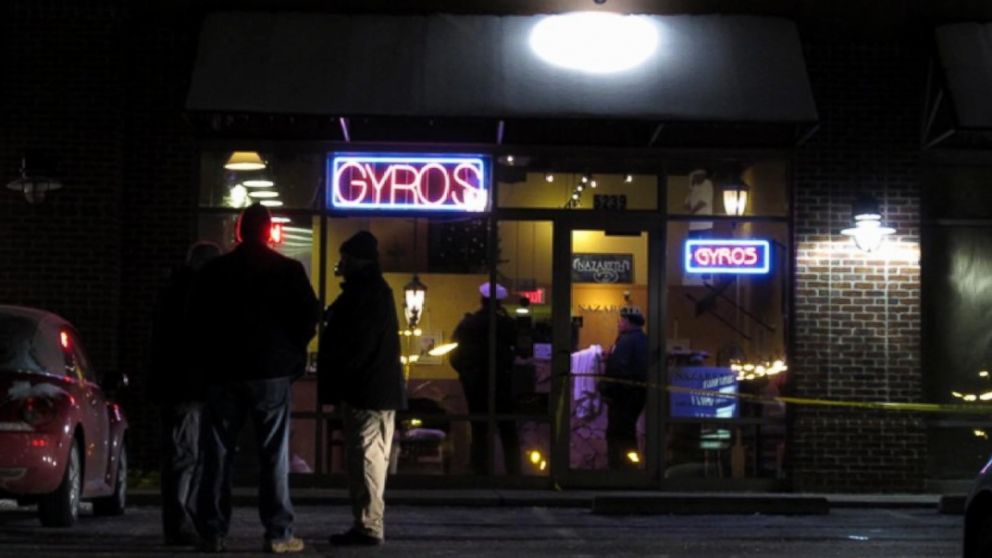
[613,501]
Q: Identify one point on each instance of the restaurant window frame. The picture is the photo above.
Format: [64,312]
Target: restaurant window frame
[647,160]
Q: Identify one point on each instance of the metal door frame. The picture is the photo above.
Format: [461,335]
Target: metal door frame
[563,226]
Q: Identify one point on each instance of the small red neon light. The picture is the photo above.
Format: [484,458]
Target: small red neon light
[275,234]
[64,337]
[535,296]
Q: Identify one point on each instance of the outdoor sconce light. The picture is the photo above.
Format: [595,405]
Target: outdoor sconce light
[868,231]
[244,161]
[415,294]
[735,196]
[34,182]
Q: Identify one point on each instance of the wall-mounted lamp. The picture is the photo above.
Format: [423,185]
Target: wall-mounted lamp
[735,197]
[414,295]
[35,180]
[868,231]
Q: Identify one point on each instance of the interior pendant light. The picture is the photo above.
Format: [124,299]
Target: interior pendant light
[244,161]
[735,197]
[414,296]
[868,231]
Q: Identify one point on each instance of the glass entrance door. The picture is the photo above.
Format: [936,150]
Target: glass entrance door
[606,348]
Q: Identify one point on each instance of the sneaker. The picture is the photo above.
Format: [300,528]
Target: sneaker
[354,537]
[211,545]
[292,545]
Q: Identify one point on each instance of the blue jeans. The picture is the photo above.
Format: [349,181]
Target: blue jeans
[228,407]
[180,449]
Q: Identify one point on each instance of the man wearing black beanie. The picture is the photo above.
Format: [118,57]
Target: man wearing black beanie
[628,363]
[358,369]
[253,312]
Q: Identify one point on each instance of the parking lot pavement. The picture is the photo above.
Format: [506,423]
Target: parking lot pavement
[524,531]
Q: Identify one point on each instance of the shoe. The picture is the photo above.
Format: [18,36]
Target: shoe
[211,545]
[353,537]
[292,545]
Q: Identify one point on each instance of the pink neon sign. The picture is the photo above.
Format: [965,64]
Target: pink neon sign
[727,256]
[408,182]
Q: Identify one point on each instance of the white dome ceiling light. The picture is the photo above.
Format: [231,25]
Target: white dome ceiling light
[595,42]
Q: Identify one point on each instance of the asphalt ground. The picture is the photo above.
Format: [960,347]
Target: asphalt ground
[434,531]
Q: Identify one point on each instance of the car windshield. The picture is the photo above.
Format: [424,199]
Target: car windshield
[17,351]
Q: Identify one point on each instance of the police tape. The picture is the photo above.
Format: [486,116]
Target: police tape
[808,401]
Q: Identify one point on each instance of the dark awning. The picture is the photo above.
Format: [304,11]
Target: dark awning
[957,109]
[706,68]
[965,51]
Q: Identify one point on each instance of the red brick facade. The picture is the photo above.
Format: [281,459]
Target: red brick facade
[99,85]
[857,316]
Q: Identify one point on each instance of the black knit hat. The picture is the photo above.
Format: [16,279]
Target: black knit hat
[254,223]
[633,315]
[362,245]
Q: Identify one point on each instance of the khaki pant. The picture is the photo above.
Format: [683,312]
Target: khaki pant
[368,436]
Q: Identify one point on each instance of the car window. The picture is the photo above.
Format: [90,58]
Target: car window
[16,333]
[81,362]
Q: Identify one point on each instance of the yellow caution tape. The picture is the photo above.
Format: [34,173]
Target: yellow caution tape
[874,405]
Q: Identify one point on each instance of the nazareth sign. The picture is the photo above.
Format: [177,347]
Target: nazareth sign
[602,268]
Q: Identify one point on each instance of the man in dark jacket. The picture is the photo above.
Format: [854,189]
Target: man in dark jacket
[176,387]
[358,368]
[628,361]
[253,313]
[471,360]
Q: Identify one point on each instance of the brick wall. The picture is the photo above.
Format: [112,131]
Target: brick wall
[857,315]
[99,85]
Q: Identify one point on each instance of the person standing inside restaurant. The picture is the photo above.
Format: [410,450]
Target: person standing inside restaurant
[253,312]
[627,362]
[471,360]
[359,370]
[177,389]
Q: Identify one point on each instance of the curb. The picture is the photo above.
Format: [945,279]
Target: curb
[709,505]
[613,503]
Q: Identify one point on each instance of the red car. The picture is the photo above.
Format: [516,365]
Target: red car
[61,436]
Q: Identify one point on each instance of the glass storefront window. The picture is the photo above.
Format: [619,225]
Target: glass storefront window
[523,187]
[523,381]
[725,334]
[289,180]
[298,237]
[720,332]
[726,188]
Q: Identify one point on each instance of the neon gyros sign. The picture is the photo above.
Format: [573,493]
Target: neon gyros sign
[727,256]
[408,182]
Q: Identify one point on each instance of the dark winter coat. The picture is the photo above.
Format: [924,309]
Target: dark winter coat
[627,361]
[359,357]
[253,313]
[471,357]
[172,376]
